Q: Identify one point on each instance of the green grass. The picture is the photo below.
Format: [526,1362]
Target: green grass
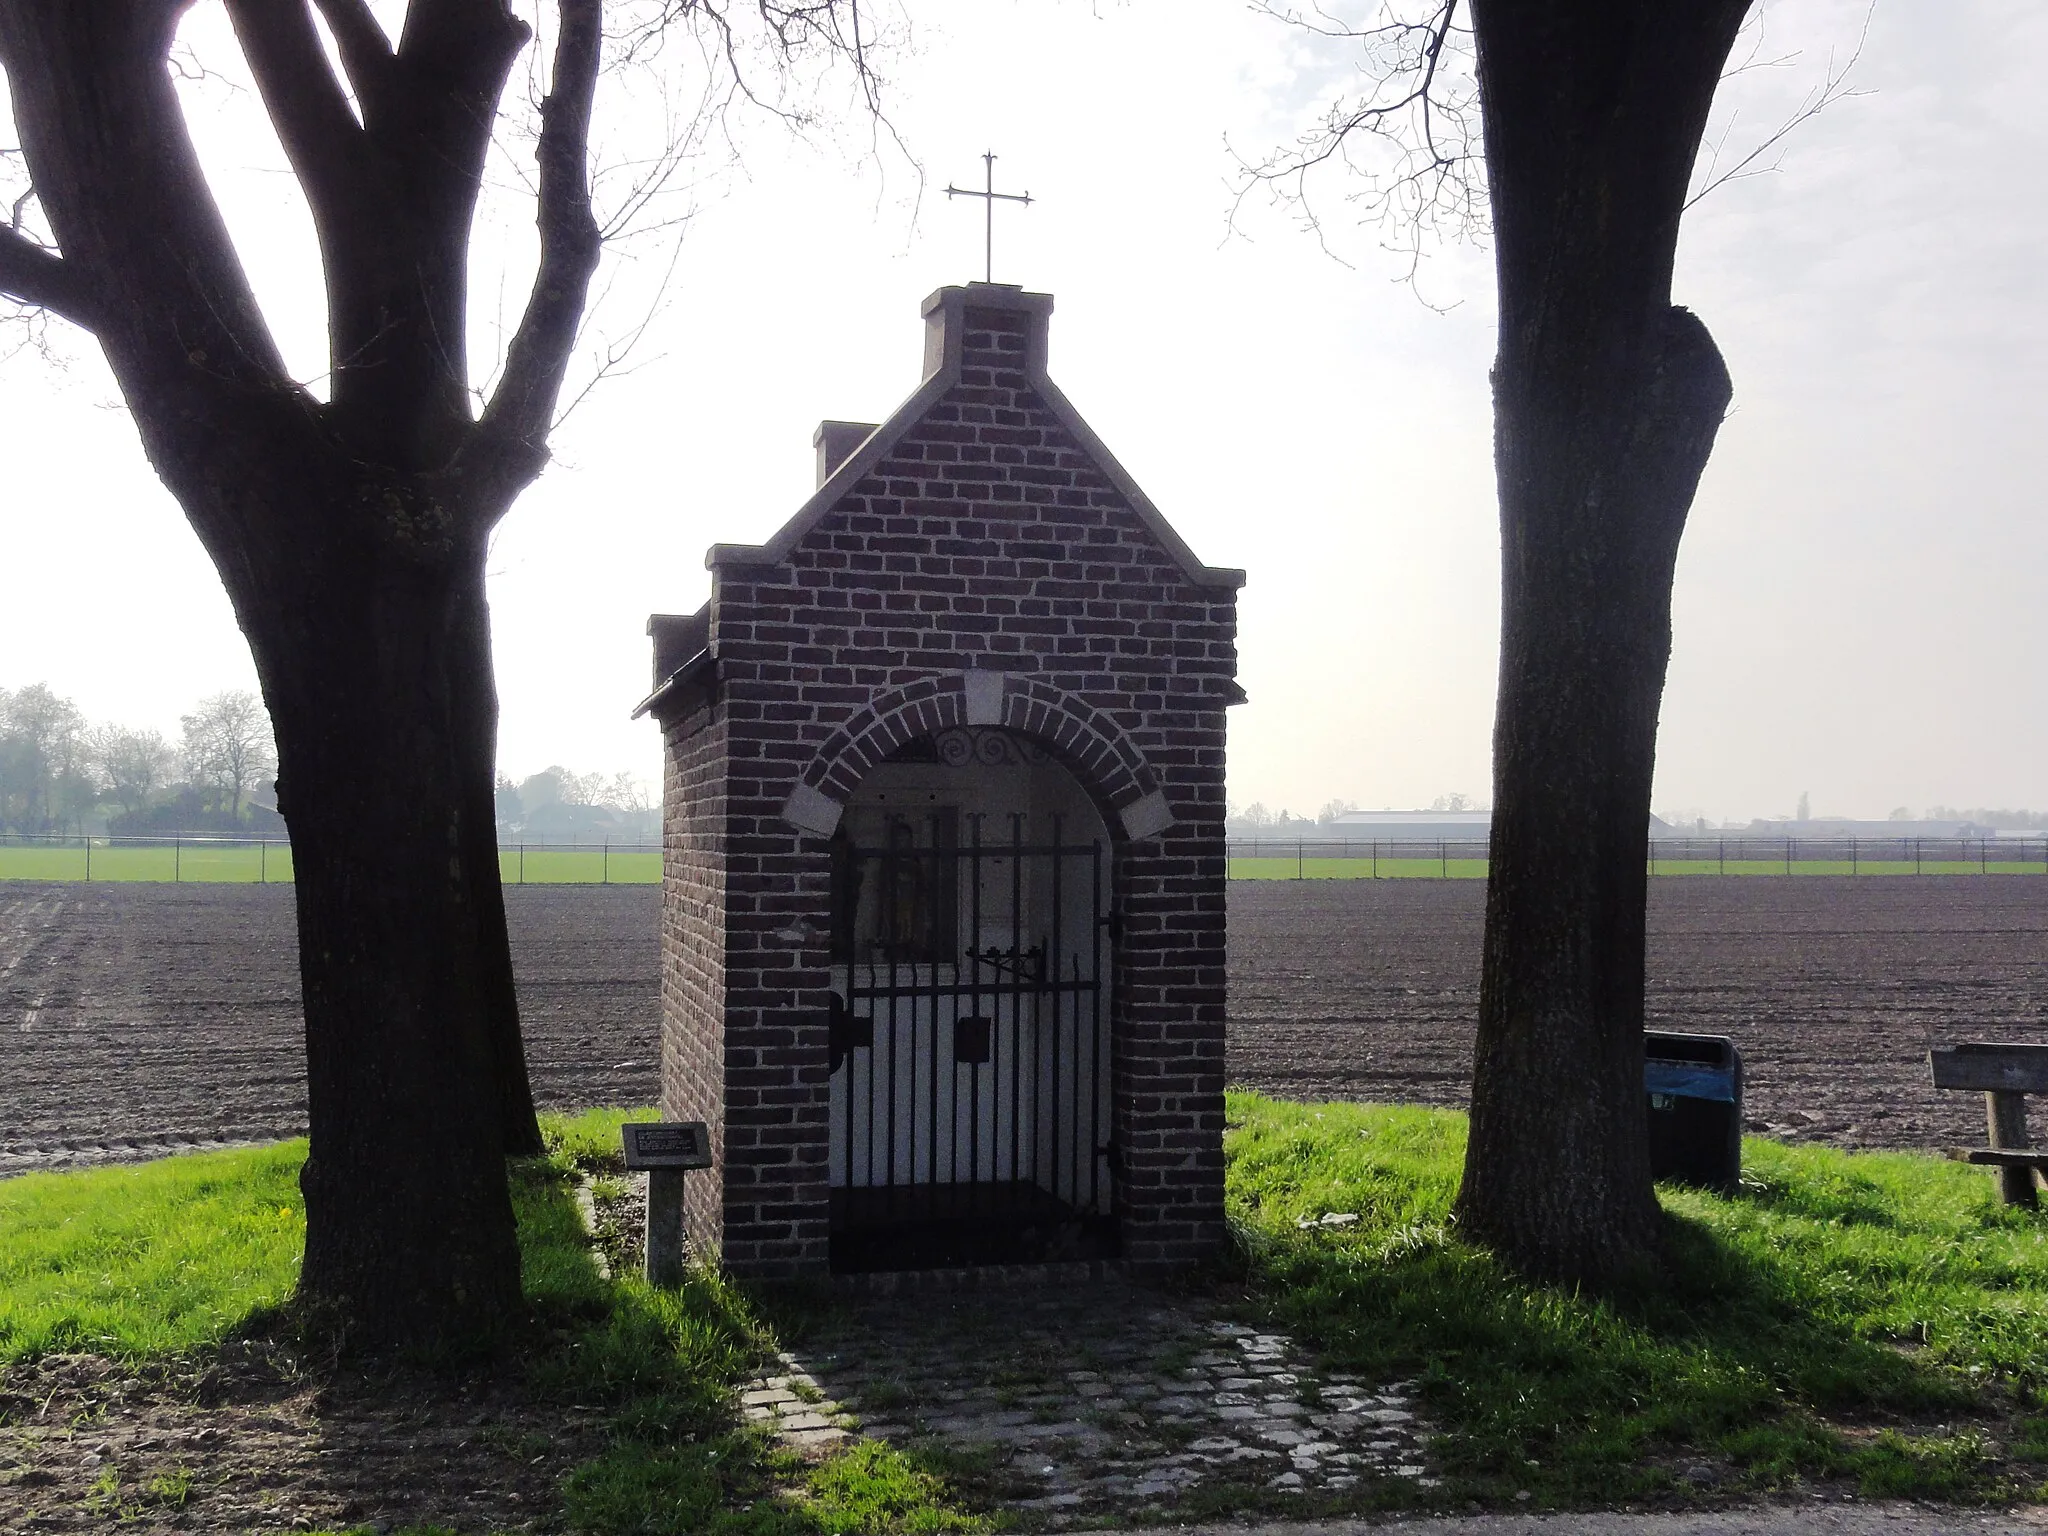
[1845,867]
[251,863]
[189,863]
[169,1258]
[1874,1319]
[576,866]
[238,864]
[155,1259]
[1363,867]
[1310,867]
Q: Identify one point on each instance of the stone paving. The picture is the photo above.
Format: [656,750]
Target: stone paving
[1099,1398]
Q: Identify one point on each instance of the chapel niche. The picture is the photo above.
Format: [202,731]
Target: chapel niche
[943,858]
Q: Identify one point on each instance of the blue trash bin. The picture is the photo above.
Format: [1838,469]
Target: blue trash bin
[1693,1086]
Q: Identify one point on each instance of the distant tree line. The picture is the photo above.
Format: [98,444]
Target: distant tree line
[560,805]
[62,773]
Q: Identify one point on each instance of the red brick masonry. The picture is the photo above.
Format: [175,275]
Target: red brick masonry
[978,559]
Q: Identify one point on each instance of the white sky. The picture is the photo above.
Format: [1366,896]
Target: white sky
[1860,606]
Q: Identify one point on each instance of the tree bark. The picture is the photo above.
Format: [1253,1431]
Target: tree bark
[350,537]
[380,687]
[1607,399]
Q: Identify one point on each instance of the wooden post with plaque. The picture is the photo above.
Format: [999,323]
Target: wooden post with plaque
[666,1150]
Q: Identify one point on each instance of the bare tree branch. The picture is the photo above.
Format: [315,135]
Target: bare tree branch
[1410,141]
[319,133]
[34,275]
[459,52]
[365,51]
[514,427]
[1834,87]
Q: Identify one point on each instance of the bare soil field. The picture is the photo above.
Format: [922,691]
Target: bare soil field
[140,1019]
[1833,988]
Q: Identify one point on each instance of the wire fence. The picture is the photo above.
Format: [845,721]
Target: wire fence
[1339,859]
[201,858]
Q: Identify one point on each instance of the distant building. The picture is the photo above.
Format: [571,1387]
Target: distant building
[1409,826]
[1394,827]
[1843,827]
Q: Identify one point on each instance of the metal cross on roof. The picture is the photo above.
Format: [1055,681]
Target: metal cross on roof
[990,196]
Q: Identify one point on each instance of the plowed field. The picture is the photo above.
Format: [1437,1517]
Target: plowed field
[136,1019]
[1833,988]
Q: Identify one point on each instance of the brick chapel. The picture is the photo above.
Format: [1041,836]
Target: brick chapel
[943,877]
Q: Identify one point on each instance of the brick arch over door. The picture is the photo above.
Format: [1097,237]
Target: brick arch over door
[1085,739]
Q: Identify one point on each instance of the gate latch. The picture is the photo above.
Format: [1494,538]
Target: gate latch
[846,1030]
[972,1041]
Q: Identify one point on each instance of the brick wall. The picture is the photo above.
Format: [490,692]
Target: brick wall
[984,537]
[693,953]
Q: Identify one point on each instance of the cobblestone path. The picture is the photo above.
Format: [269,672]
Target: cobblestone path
[1096,1399]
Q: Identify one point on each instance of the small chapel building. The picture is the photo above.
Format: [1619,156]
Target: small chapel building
[942,926]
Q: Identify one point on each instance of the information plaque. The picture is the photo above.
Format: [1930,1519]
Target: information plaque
[667,1144]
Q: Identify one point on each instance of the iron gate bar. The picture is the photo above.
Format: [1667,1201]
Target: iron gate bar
[1097,1148]
[1057,1023]
[977,980]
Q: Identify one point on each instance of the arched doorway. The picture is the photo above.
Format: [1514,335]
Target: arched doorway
[971,1011]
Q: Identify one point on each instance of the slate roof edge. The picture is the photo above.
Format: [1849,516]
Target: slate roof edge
[672,684]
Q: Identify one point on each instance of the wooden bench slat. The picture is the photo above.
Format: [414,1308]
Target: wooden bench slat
[2001,1157]
[1987,1067]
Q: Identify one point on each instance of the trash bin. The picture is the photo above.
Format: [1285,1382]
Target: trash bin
[1693,1084]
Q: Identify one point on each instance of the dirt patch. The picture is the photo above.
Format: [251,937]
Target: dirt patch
[1833,988]
[139,1019]
[255,1441]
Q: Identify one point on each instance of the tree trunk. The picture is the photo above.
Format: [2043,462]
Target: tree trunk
[349,534]
[380,686]
[1606,400]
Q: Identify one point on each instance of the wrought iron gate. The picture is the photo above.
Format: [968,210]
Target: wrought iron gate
[970,1110]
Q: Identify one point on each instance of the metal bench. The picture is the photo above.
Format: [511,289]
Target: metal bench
[2005,1075]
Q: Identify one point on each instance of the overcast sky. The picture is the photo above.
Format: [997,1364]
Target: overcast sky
[1862,597]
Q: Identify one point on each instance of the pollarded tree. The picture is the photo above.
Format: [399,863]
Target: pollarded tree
[350,531]
[1607,399]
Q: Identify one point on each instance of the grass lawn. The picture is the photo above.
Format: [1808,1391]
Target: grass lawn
[252,863]
[172,1259]
[153,1259]
[1363,867]
[1867,1322]
[1310,867]
[189,863]
[578,866]
[1876,1321]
